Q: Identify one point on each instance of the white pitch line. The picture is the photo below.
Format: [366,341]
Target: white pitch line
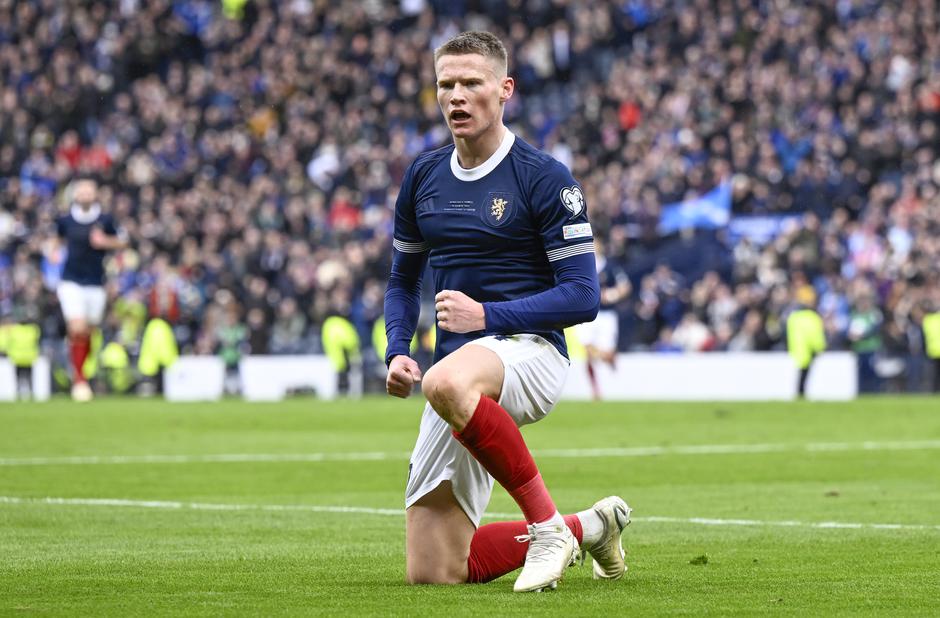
[311,508]
[81,460]
[786,523]
[639,451]
[198,506]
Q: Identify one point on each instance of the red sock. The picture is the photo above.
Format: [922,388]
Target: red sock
[494,550]
[78,352]
[574,524]
[592,376]
[493,439]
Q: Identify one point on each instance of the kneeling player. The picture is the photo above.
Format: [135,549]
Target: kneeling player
[505,228]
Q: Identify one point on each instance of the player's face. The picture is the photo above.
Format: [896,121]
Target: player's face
[85,192]
[471,91]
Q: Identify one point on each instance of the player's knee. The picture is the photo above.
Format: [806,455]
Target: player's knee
[78,328]
[435,574]
[445,391]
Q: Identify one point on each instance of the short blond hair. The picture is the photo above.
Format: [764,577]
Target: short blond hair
[485,44]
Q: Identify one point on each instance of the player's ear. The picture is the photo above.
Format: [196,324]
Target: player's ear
[507,87]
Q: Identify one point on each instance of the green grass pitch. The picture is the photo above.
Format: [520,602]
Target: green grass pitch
[97,518]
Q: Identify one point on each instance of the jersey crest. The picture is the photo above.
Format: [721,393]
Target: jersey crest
[498,210]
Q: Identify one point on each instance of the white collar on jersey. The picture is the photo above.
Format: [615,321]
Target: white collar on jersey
[478,172]
[86,216]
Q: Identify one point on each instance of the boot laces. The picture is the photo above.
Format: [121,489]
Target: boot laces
[544,542]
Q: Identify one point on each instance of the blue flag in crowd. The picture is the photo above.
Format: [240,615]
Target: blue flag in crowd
[710,211]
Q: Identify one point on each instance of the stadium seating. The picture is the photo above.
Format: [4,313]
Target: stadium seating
[253,150]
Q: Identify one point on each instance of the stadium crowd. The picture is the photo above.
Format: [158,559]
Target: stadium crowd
[253,150]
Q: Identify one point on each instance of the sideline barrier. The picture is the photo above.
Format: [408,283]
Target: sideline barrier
[262,378]
[269,378]
[40,380]
[7,380]
[757,376]
[194,378]
[761,376]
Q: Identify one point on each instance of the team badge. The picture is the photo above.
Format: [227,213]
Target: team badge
[573,200]
[498,209]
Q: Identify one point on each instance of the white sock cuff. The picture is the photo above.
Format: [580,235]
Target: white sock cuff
[554,519]
[592,527]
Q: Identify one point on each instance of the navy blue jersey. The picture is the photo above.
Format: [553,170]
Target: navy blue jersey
[512,234]
[84,264]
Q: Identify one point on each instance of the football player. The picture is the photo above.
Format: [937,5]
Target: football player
[505,228]
[88,233]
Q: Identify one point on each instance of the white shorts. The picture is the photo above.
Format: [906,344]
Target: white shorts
[534,375]
[601,333]
[81,302]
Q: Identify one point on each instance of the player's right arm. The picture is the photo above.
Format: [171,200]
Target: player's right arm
[403,295]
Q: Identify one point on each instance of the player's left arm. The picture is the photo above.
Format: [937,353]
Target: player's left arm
[108,237]
[566,235]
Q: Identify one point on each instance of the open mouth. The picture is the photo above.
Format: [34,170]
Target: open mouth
[459,115]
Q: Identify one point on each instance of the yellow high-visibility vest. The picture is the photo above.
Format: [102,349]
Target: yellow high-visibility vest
[117,367]
[22,344]
[932,334]
[806,336]
[158,349]
[340,342]
[234,9]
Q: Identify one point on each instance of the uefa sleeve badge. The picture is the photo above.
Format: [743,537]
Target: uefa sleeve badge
[573,200]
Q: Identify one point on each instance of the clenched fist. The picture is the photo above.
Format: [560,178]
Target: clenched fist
[403,374]
[458,313]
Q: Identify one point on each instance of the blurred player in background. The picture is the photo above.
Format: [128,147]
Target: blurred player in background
[600,336]
[88,233]
[505,229]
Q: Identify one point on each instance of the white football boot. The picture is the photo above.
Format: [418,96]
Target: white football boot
[608,553]
[552,549]
[82,392]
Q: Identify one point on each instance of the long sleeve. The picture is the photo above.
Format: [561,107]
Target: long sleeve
[403,301]
[410,256]
[574,299]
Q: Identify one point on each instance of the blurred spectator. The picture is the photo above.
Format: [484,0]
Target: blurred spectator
[287,333]
[864,334]
[255,148]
